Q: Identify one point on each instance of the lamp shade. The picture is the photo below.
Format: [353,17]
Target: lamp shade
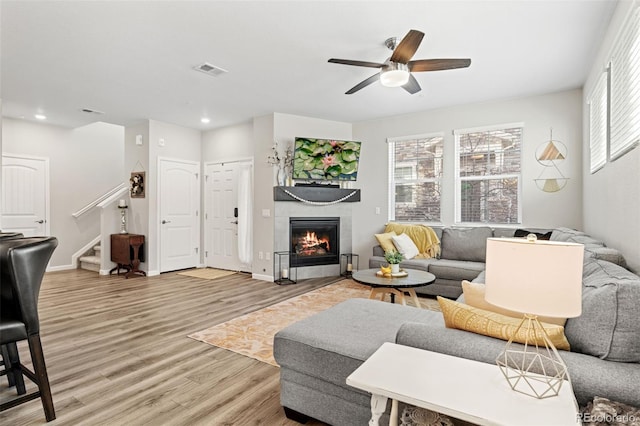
[535,277]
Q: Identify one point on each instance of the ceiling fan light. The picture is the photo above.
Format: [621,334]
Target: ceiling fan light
[394,74]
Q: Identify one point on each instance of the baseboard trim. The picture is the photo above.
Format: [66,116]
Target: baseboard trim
[262,277]
[153,273]
[60,268]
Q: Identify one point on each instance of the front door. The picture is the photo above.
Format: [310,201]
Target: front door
[25,195]
[223,214]
[179,214]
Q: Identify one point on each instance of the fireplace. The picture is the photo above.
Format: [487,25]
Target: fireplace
[314,240]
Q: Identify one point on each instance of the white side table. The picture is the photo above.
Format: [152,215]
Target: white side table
[468,390]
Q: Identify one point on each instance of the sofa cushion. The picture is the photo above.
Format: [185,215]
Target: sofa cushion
[405,245]
[564,234]
[332,343]
[474,296]
[420,264]
[465,317]
[465,244]
[608,327]
[456,269]
[503,232]
[606,253]
[385,241]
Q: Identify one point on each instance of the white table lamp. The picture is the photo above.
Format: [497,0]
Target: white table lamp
[536,278]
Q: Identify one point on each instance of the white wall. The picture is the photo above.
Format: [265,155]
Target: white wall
[84,164]
[228,143]
[179,143]
[136,159]
[560,111]
[611,208]
[263,181]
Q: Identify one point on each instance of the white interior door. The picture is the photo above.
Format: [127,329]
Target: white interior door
[179,216]
[221,217]
[25,195]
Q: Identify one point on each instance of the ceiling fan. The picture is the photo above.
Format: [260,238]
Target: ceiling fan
[396,70]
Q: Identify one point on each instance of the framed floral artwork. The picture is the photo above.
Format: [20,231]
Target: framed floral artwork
[137,184]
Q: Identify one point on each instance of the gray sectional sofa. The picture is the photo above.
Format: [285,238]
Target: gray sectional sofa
[462,257]
[318,353]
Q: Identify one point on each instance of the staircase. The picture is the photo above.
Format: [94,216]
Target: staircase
[91,260]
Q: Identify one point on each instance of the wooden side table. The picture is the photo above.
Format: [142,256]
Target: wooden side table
[126,252]
[468,390]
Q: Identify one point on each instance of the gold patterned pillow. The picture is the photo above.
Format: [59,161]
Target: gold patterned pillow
[474,296]
[465,317]
[386,242]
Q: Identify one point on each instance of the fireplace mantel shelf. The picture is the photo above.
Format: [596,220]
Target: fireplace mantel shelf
[316,194]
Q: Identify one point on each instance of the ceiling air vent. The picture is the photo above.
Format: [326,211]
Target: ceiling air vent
[91,111]
[213,70]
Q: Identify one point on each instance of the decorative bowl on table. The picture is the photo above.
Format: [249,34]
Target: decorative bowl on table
[386,272]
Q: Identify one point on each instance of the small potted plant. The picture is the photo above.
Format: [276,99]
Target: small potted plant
[394,258]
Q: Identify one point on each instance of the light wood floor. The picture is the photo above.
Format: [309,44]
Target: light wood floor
[117,352]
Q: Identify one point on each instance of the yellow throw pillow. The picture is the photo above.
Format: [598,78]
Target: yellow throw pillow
[386,242]
[464,317]
[474,296]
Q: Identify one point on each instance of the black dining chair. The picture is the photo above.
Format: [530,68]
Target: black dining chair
[4,350]
[23,262]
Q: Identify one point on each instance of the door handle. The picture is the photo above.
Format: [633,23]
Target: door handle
[234,221]
[39,221]
[165,221]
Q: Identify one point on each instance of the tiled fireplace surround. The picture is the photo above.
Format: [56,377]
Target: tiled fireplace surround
[283,210]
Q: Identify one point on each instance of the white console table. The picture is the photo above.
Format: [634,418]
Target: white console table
[468,390]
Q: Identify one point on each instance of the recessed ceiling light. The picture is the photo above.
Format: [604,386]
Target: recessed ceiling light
[205,120]
[40,116]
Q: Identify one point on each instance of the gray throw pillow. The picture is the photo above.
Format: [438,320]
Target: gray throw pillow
[465,243]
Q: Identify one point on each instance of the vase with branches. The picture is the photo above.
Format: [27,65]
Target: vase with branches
[283,160]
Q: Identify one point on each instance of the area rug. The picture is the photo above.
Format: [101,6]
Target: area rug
[252,334]
[207,273]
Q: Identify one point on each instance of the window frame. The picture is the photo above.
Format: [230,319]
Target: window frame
[624,88]
[458,179]
[391,142]
[598,103]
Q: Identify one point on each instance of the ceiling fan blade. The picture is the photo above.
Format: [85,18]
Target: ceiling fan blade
[356,63]
[412,85]
[405,50]
[363,84]
[437,64]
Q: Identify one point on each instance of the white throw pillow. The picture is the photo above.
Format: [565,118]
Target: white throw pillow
[406,246]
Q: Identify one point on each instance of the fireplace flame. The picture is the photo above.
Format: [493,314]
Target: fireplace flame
[311,241]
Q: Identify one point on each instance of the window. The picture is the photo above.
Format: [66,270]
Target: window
[415,170]
[625,87]
[598,124]
[488,174]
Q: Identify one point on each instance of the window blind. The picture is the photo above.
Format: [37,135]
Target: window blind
[625,87]
[598,124]
[415,171]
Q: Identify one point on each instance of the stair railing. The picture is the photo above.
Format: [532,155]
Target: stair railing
[107,195]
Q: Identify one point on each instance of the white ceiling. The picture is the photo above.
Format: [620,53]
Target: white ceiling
[133,59]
